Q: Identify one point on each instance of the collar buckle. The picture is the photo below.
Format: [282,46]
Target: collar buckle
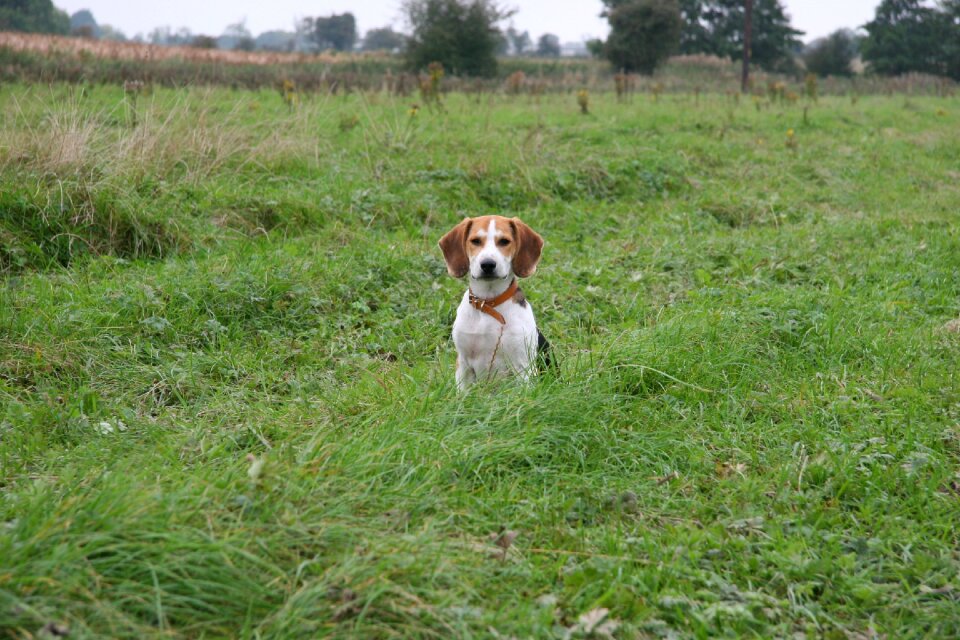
[487,306]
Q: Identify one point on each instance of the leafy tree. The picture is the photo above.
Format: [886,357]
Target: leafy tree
[276,40]
[182,37]
[952,45]
[642,33]
[166,36]
[595,47]
[338,31]
[905,36]
[33,16]
[236,36]
[548,46]
[774,42]
[203,42]
[159,35]
[519,42]
[385,39]
[83,24]
[237,30]
[715,27]
[700,19]
[83,31]
[503,44]
[832,56]
[108,32]
[462,35]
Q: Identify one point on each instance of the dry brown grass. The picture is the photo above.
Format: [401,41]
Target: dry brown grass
[49,44]
[192,134]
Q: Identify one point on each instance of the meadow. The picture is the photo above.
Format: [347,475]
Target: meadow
[227,405]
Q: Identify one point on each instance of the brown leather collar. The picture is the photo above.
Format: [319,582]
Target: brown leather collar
[487,305]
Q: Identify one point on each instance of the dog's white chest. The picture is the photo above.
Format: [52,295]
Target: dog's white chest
[485,347]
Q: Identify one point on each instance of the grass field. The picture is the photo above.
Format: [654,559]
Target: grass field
[226,381]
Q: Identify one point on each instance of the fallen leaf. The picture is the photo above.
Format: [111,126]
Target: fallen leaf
[946,589]
[504,539]
[725,469]
[952,327]
[595,622]
[607,629]
[591,619]
[54,630]
[547,601]
[256,467]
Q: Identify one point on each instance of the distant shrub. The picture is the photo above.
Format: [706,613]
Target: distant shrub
[910,36]
[385,39]
[33,16]
[643,33]
[462,35]
[245,44]
[833,55]
[204,42]
[84,31]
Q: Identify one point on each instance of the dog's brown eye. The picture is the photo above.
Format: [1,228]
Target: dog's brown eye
[475,242]
[503,242]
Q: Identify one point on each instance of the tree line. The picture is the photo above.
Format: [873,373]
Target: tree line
[466,38]
[336,32]
[904,36]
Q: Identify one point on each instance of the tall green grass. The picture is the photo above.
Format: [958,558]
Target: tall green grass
[226,385]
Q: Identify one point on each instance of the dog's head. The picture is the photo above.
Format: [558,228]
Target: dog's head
[491,248]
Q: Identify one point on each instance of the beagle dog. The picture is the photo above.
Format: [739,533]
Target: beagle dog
[495,332]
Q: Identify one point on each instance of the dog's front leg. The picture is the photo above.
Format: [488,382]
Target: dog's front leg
[466,376]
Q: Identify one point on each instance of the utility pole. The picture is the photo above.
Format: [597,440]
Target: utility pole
[747,28]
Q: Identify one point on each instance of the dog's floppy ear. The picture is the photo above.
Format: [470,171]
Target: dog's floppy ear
[530,244]
[454,247]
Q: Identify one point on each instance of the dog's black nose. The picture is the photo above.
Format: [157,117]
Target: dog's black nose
[488,266]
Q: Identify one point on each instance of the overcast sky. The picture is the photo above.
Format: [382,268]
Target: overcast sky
[572,20]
